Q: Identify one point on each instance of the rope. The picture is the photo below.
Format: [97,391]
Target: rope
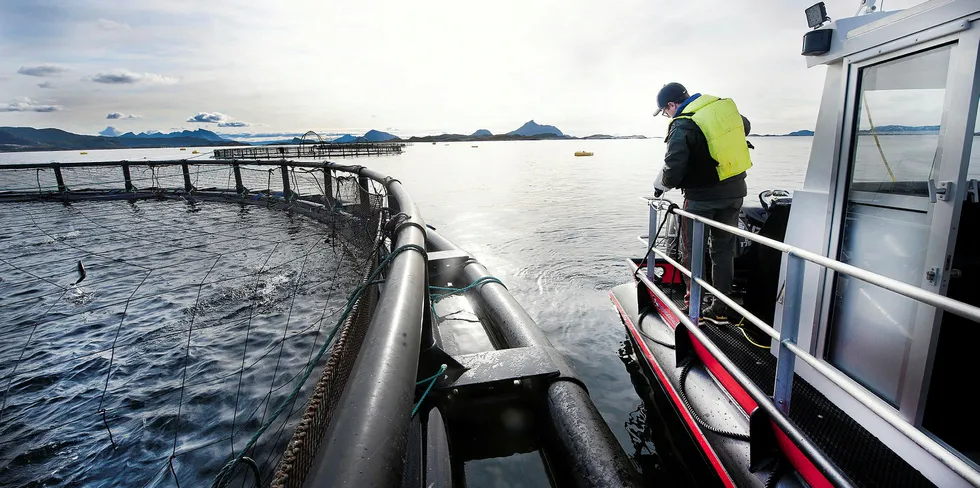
[432,381]
[644,313]
[653,239]
[457,291]
[694,414]
[874,134]
[742,328]
[222,479]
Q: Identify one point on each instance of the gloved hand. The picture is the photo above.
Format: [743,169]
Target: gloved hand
[658,184]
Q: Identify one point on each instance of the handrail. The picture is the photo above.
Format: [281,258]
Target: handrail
[787,335]
[824,464]
[948,304]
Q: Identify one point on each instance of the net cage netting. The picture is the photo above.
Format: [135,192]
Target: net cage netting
[155,336]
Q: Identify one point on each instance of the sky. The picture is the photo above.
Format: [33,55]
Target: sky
[409,68]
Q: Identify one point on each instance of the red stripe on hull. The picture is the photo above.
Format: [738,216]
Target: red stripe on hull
[674,397]
[803,465]
[721,374]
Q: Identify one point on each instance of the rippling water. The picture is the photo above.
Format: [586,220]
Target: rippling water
[102,382]
[555,228]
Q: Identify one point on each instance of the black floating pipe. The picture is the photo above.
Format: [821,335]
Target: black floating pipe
[584,438]
[438,463]
[365,443]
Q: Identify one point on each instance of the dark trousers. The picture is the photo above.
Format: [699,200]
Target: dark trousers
[721,244]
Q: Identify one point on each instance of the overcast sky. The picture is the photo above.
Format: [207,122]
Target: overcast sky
[408,67]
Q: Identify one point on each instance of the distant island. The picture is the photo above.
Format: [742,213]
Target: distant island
[878,130]
[530,131]
[31,139]
[795,133]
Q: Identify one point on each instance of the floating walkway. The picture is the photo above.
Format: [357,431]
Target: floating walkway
[316,150]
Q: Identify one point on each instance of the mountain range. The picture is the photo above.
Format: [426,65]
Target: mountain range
[31,139]
[199,133]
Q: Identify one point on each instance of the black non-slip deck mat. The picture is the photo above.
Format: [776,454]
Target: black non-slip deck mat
[858,453]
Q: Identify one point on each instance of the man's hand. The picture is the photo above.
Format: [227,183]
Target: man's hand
[658,184]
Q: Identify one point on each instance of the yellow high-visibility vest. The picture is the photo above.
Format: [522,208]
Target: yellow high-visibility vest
[719,120]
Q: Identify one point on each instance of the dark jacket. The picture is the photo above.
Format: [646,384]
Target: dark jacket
[688,165]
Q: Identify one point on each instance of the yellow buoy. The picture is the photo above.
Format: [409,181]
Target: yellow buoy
[83,152]
[195,152]
[583,153]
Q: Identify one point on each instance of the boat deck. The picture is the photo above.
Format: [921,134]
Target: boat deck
[858,453]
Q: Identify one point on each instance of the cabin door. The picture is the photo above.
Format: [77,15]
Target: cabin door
[902,157]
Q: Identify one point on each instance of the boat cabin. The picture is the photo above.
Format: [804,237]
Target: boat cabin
[891,188]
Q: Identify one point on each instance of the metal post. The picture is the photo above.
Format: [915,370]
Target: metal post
[651,238]
[239,187]
[365,197]
[788,331]
[61,180]
[328,187]
[697,265]
[187,176]
[127,177]
[285,182]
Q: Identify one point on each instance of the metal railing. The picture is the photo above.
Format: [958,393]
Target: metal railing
[786,337]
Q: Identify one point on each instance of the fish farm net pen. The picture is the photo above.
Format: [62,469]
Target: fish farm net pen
[162,318]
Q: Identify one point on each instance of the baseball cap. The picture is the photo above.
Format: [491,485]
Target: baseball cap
[671,92]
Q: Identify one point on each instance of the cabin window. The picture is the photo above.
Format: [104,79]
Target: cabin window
[895,150]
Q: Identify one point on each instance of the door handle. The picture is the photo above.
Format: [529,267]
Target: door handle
[941,192]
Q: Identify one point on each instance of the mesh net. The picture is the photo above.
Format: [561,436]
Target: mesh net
[153,340]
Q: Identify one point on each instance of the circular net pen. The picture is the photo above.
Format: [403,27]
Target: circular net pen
[182,323]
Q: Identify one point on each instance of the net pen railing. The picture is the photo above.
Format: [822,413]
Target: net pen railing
[144,384]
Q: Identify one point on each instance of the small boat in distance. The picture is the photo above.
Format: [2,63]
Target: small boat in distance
[183,149]
[583,153]
[474,146]
[195,152]
[83,152]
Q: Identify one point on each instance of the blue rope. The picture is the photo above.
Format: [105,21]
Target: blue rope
[457,291]
[432,381]
[222,479]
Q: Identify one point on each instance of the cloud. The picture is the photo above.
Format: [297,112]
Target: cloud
[111,25]
[42,70]
[27,105]
[121,116]
[110,132]
[126,77]
[46,84]
[209,118]
[217,118]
